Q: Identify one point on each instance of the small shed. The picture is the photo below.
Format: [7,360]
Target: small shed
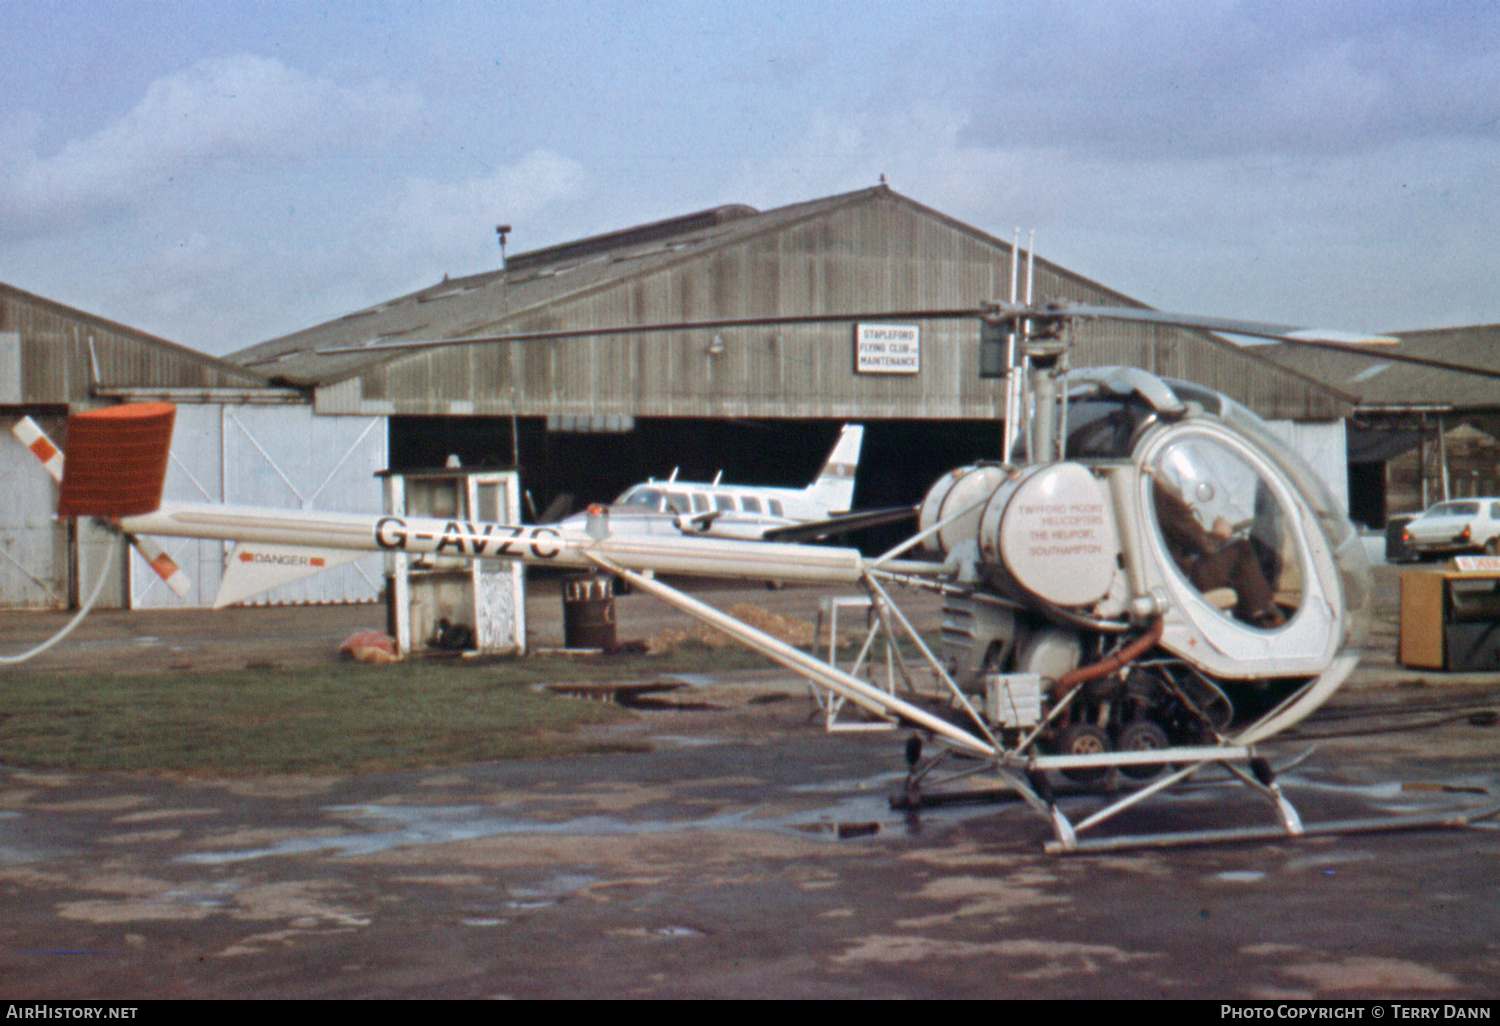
[1425,416]
[239,438]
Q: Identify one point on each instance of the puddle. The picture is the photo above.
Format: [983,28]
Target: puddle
[219,896]
[843,831]
[386,827]
[882,781]
[11,853]
[680,741]
[557,887]
[634,695]
[693,680]
[1333,859]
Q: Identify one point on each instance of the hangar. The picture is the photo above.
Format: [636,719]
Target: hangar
[307,419]
[1418,433]
[588,416]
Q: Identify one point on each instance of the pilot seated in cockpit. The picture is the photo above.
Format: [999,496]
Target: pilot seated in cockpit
[1213,558]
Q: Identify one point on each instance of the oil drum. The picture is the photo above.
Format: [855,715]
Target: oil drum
[589,611]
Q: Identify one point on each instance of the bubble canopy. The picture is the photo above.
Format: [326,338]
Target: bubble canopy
[1240,482]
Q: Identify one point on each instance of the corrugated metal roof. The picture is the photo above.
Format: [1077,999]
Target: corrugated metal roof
[533,281]
[66,356]
[1379,382]
[866,251]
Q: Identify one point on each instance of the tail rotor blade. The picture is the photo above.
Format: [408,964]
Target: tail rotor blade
[31,435]
[163,565]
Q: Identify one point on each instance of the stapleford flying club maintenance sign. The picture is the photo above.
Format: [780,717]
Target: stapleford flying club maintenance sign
[887,349]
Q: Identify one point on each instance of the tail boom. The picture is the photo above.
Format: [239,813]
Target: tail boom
[547,545]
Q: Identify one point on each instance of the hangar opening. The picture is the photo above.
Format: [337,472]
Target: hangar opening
[899,461]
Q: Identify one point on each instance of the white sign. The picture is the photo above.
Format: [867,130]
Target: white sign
[887,349]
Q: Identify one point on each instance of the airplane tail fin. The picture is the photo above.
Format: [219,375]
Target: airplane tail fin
[116,464]
[834,486]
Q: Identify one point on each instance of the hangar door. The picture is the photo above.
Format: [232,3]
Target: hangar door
[1325,448]
[269,455]
[33,547]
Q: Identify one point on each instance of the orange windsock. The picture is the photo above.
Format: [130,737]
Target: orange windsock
[117,460]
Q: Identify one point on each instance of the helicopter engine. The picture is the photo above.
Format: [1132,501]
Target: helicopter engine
[1178,568]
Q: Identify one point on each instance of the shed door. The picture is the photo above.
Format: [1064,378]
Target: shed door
[33,547]
[280,456]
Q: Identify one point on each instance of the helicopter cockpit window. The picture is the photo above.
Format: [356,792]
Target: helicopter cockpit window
[1103,428]
[1226,531]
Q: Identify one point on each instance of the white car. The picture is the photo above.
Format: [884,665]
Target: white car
[1459,525]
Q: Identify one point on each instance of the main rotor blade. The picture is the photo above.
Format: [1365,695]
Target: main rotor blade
[1255,329]
[641,329]
[1338,341]
[1014,311]
[813,530]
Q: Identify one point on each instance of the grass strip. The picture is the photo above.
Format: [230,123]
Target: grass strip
[336,719]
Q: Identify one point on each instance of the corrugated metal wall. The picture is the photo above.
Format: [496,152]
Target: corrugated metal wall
[877,255]
[40,568]
[33,548]
[281,456]
[62,352]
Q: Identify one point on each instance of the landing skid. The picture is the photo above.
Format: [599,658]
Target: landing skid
[1026,774]
[1028,780]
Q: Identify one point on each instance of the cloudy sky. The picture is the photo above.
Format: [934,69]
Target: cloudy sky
[220,173]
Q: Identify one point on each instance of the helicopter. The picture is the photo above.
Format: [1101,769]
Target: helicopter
[1145,584]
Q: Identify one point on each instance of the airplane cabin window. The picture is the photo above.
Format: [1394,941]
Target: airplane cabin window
[645,498]
[1226,532]
[750,503]
[776,508]
[678,502]
[724,502]
[700,502]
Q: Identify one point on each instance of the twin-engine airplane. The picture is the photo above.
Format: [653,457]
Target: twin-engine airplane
[751,512]
[1144,584]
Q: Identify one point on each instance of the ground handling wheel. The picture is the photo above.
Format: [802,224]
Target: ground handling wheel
[1143,736]
[1084,739]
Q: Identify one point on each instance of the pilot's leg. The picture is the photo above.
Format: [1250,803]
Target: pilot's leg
[1236,566]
